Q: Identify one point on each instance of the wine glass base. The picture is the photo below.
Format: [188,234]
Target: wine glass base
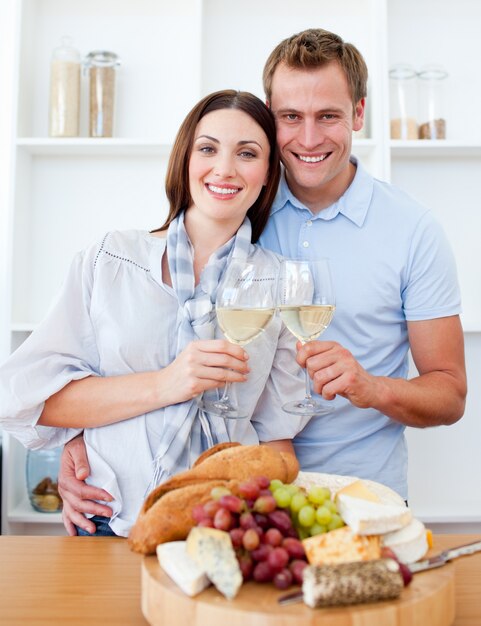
[220,408]
[306,407]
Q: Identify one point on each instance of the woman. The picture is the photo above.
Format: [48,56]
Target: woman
[130,342]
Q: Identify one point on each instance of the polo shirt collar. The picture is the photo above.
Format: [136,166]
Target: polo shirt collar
[353,204]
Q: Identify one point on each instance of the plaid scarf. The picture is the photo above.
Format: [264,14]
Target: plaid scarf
[188,431]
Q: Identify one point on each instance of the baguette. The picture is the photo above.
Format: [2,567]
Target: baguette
[166,514]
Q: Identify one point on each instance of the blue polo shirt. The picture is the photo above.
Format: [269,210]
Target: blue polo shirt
[391,263]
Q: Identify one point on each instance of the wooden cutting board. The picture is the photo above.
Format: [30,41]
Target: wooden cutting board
[429,600]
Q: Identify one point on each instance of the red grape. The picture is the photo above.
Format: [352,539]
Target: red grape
[198,512]
[251,539]
[406,573]
[262,481]
[249,490]
[273,537]
[263,572]
[278,559]
[283,579]
[236,535]
[265,504]
[246,520]
[280,520]
[223,519]
[207,522]
[246,565]
[232,503]
[262,521]
[262,552]
[297,567]
[211,507]
[294,548]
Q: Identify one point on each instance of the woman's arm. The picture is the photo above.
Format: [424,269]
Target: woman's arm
[98,401]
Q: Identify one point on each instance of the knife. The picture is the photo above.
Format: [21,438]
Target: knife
[436,561]
[445,556]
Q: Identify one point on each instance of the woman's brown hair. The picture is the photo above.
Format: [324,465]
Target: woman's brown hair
[177,178]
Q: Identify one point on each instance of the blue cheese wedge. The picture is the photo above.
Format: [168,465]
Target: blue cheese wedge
[365,517]
[179,566]
[212,550]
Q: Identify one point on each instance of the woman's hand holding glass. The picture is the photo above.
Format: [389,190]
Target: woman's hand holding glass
[245,304]
[306,305]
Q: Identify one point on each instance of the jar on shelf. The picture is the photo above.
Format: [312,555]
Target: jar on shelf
[432,79]
[64,108]
[101,67]
[42,480]
[403,101]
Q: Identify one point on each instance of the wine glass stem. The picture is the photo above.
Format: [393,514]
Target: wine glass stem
[225,394]
[308,386]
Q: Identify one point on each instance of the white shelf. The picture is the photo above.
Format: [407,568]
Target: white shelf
[442,148]
[24,513]
[84,146]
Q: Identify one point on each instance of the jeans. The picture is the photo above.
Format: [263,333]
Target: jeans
[103,528]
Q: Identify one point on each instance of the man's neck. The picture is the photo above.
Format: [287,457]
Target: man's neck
[320,198]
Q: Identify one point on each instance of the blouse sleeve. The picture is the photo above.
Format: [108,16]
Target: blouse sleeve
[62,349]
[286,382]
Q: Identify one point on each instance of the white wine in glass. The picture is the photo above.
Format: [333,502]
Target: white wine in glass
[245,304]
[306,306]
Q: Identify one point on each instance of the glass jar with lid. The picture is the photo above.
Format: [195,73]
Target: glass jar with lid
[101,66]
[64,106]
[42,480]
[403,101]
[432,118]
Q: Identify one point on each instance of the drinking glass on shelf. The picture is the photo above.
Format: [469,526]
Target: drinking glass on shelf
[306,306]
[245,304]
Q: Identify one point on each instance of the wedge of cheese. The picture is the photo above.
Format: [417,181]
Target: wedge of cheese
[410,543]
[359,489]
[212,550]
[341,546]
[365,517]
[179,566]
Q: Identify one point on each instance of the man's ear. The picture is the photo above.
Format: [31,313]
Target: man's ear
[268,104]
[359,110]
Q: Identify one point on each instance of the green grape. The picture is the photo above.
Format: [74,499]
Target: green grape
[216,493]
[332,506]
[275,484]
[336,522]
[303,533]
[307,516]
[323,515]
[282,497]
[317,495]
[317,529]
[298,500]
[293,488]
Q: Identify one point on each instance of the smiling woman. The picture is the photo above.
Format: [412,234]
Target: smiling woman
[133,338]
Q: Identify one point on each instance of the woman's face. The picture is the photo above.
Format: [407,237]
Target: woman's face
[228,165]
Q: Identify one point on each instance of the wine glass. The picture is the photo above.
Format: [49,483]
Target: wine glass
[245,304]
[306,306]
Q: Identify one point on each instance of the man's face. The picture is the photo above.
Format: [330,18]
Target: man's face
[315,119]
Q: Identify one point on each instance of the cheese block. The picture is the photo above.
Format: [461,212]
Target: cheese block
[212,550]
[371,518]
[410,543]
[359,489]
[341,546]
[182,568]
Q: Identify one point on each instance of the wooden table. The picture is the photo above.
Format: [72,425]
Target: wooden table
[95,581]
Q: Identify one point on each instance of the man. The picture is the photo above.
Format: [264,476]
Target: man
[393,271]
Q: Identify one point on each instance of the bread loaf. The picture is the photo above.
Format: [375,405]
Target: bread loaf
[166,514]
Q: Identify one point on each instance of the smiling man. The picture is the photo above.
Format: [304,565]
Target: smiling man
[394,273]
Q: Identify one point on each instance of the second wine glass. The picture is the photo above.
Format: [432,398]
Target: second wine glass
[306,305]
[245,304]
